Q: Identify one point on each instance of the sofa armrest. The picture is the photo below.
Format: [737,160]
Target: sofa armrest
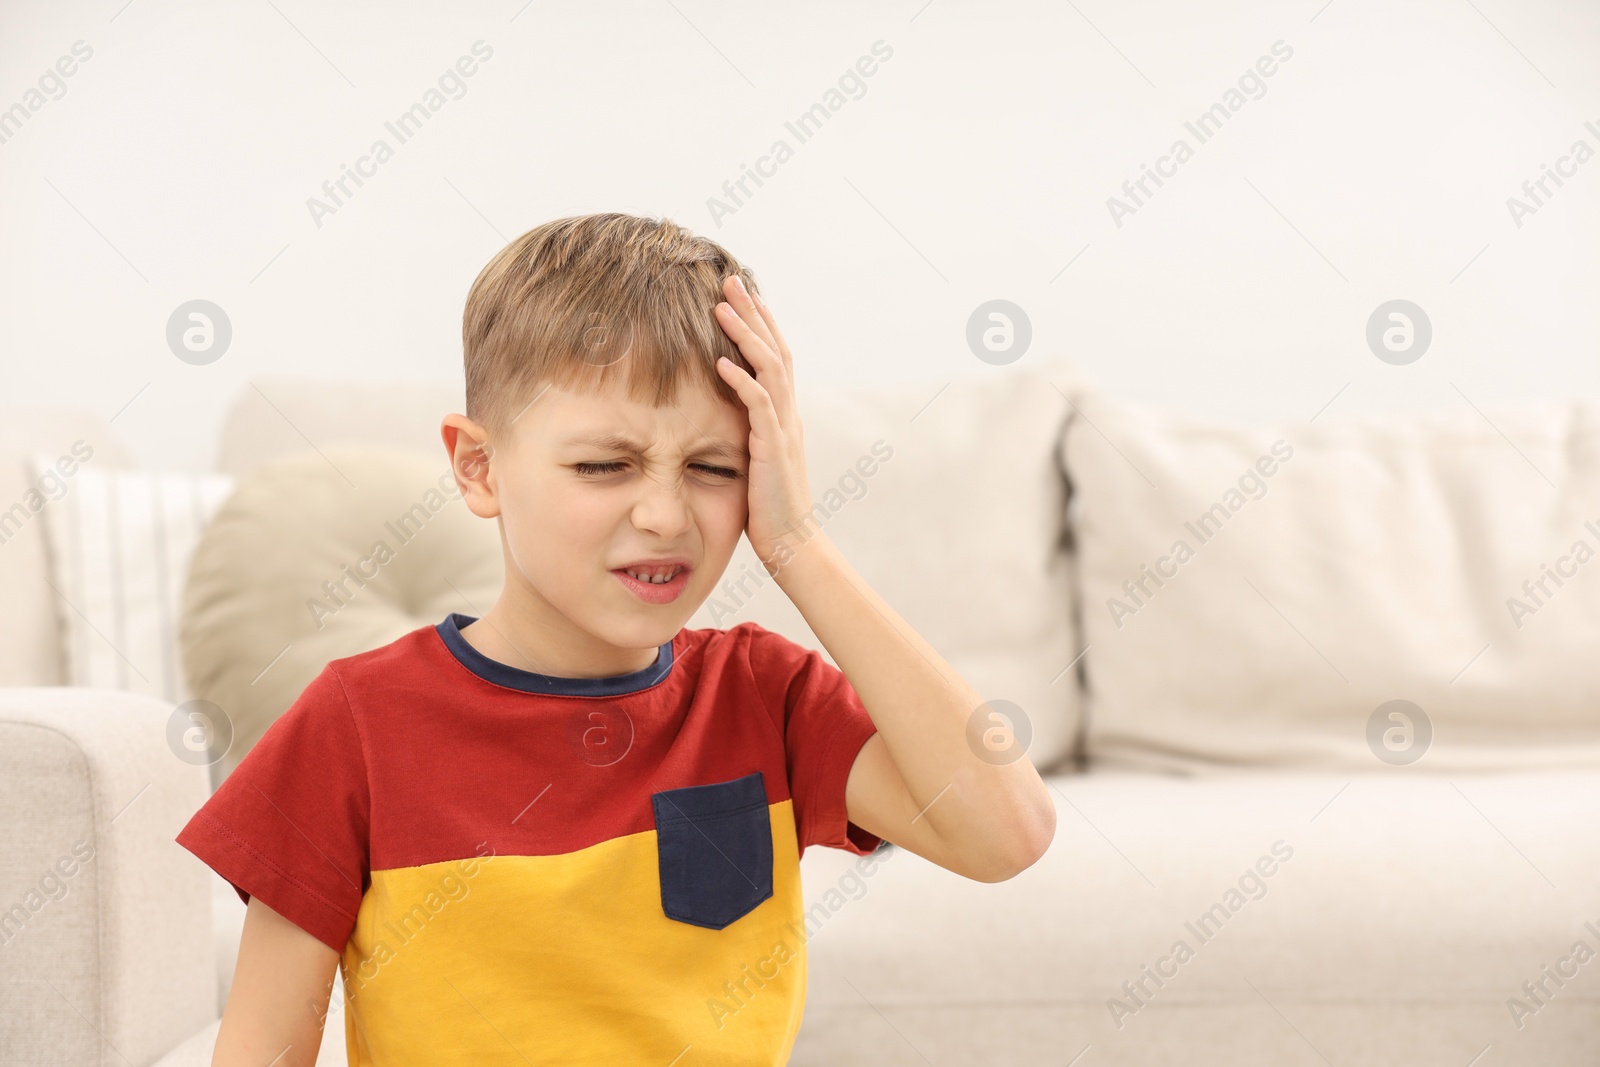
[196,1050]
[106,953]
[227,924]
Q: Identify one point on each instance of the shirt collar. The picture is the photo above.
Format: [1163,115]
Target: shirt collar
[504,674]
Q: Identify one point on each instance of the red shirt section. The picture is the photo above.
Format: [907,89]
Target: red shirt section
[425,750]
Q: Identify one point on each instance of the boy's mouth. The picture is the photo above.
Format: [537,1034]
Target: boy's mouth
[655,581]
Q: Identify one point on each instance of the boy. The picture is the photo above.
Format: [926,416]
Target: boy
[569,831]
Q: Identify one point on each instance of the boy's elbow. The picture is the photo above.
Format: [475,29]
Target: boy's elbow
[1039,829]
[1031,843]
[1043,836]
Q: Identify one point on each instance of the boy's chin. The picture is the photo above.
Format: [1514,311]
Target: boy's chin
[644,626]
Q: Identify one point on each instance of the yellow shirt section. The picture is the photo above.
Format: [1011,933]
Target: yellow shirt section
[570,959]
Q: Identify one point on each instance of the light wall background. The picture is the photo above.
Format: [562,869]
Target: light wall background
[976,163]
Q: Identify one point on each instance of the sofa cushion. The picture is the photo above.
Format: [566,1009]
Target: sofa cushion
[946,499]
[30,627]
[1261,594]
[119,548]
[319,556]
[275,417]
[1380,919]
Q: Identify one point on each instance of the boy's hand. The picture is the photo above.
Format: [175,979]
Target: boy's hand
[780,496]
[994,819]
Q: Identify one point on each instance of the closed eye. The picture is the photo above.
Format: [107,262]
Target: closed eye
[613,466]
[596,468]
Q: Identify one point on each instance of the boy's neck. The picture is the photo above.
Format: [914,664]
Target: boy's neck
[528,645]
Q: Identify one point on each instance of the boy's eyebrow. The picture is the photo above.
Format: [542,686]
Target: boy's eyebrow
[624,443]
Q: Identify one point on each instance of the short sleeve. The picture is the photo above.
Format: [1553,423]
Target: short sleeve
[824,726]
[289,825]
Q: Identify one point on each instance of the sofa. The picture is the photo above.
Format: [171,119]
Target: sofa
[1314,700]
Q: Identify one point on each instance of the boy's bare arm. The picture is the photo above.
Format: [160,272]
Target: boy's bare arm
[279,997]
[917,782]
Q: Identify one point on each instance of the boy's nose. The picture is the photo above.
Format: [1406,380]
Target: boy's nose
[662,507]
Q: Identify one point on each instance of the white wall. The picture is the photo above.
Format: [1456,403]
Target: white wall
[977,165]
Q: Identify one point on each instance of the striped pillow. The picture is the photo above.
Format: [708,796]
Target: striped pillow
[119,544]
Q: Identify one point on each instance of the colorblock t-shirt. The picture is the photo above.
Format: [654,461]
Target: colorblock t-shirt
[518,867]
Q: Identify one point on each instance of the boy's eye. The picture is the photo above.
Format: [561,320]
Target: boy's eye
[721,472]
[615,465]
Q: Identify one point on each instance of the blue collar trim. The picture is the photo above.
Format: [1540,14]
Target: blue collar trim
[492,670]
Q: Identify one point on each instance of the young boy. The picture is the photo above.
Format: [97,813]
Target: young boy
[569,832]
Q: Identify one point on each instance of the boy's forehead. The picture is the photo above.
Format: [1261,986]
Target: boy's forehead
[614,440]
[564,419]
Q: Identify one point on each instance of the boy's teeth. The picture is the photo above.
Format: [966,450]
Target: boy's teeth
[645,576]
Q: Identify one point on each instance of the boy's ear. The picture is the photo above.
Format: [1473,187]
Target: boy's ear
[471,452]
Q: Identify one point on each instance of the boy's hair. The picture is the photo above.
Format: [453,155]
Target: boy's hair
[579,301]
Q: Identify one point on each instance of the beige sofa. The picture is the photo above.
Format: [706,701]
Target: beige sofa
[1255,861]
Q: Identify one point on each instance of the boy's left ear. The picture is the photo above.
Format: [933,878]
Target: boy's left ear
[471,453]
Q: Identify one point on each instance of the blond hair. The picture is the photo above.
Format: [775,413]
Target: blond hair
[579,300]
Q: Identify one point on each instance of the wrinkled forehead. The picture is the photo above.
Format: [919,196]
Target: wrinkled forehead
[695,422]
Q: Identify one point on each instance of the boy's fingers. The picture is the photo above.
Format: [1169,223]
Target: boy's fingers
[754,313]
[742,334]
[742,301]
[757,400]
[779,345]
[760,354]
[770,367]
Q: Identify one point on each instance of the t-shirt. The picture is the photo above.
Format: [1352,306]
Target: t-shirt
[517,867]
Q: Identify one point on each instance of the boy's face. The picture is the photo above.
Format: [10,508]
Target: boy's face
[574,510]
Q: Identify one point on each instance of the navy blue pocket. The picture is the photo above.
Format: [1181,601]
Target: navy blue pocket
[714,850]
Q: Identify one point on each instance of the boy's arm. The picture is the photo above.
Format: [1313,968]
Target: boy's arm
[915,782]
[279,996]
